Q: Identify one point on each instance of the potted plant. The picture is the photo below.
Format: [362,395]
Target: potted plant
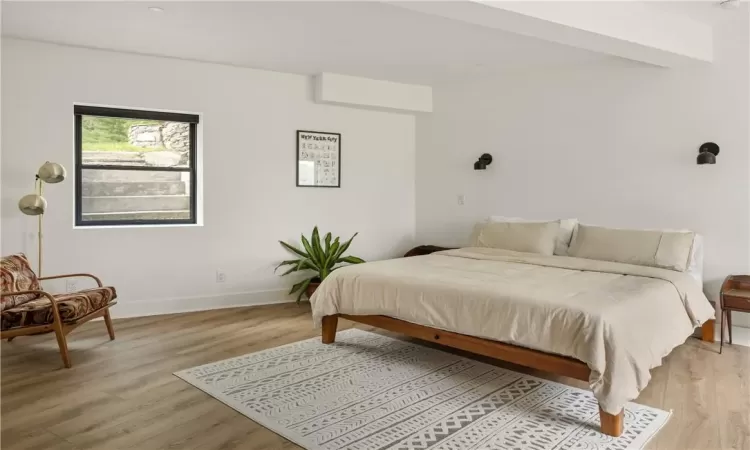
[321,258]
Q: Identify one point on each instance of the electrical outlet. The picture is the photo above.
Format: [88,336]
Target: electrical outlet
[220,276]
[71,286]
[461,199]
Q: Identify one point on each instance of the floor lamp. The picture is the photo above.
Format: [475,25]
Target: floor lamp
[35,205]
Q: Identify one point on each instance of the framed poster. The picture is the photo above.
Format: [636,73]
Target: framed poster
[318,159]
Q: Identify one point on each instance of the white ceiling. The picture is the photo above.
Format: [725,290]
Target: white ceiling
[367,39]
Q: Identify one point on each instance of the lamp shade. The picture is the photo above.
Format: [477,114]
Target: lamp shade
[483,162]
[707,153]
[706,158]
[51,172]
[32,204]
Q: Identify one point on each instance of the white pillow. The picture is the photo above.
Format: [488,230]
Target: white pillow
[655,248]
[695,266]
[528,237]
[564,235]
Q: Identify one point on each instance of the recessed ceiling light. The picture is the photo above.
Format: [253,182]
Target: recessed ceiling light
[155,9]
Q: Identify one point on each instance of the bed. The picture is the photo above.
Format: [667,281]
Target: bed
[604,322]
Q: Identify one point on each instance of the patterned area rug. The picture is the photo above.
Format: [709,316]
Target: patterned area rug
[369,392]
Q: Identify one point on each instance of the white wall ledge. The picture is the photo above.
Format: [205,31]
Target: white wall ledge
[368,93]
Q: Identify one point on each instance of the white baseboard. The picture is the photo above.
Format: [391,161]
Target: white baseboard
[740,335]
[125,308]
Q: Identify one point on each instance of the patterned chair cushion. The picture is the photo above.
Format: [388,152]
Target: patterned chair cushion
[16,275]
[72,307]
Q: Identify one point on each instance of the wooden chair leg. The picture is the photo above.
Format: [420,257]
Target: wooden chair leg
[612,425]
[329,328]
[721,331]
[110,328]
[63,344]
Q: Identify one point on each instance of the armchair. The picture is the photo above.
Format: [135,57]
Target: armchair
[27,309]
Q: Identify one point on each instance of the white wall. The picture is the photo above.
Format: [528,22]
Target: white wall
[249,120]
[615,147]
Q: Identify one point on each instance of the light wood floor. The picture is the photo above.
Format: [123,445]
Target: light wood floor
[122,394]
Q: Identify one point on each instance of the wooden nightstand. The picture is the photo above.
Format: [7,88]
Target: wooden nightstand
[735,296]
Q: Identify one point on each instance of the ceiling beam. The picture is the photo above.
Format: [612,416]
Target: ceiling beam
[361,92]
[631,30]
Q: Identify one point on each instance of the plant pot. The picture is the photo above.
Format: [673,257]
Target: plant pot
[312,287]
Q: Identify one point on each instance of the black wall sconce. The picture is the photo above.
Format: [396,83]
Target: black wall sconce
[707,153]
[483,161]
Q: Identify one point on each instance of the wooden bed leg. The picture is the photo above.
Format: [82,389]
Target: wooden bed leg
[707,330]
[611,424]
[329,328]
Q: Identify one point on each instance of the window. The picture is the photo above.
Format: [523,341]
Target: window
[134,167]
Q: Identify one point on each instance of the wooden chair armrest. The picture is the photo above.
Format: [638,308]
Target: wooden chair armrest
[55,310]
[71,275]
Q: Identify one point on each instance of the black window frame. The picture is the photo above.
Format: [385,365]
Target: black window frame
[83,110]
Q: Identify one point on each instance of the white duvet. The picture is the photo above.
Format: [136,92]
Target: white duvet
[619,319]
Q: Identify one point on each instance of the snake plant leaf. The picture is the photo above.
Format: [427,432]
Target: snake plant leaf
[320,255]
[307,264]
[331,258]
[286,263]
[321,259]
[346,245]
[350,260]
[305,284]
[299,285]
[335,246]
[315,242]
[308,248]
[290,270]
[328,241]
[293,249]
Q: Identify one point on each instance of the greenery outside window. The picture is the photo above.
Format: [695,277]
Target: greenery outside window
[134,167]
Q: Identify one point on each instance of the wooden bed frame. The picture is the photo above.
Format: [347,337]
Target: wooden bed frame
[610,424]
